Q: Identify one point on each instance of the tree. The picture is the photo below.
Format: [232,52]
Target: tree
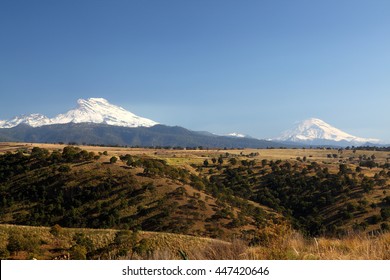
[113,160]
[70,153]
[64,168]
[206,163]
[39,153]
[343,169]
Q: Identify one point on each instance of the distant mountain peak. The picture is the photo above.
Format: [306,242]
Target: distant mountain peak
[91,110]
[315,131]
[238,135]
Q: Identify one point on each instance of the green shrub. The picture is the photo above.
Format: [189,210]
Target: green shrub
[113,160]
[385,213]
[64,168]
[56,230]
[78,252]
[4,253]
[18,241]
[84,241]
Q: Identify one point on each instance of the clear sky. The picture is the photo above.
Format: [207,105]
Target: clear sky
[254,67]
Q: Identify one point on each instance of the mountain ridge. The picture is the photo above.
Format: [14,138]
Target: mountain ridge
[96,121]
[103,134]
[310,132]
[317,132]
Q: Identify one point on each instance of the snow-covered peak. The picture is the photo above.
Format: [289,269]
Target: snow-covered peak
[33,120]
[92,110]
[99,110]
[314,129]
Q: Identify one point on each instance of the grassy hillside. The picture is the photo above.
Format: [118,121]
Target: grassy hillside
[77,188]
[26,242]
[262,199]
[23,242]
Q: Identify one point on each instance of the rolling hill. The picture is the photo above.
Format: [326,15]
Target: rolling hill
[255,196]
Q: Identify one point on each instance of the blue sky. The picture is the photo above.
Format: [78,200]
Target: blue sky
[254,67]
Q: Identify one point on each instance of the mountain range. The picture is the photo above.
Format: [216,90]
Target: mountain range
[96,121]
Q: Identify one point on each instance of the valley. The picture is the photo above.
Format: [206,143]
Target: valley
[263,199]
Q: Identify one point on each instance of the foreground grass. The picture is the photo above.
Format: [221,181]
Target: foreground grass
[353,247]
[43,243]
[27,242]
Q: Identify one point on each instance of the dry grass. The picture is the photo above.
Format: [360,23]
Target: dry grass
[280,244]
[291,247]
[294,246]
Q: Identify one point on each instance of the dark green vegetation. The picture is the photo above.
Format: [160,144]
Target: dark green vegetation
[211,194]
[315,200]
[75,188]
[100,134]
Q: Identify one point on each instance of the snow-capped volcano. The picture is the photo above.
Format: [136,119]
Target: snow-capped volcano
[316,131]
[92,110]
[99,110]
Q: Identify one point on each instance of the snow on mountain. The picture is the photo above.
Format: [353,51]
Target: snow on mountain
[315,130]
[92,110]
[235,134]
[99,110]
[33,120]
